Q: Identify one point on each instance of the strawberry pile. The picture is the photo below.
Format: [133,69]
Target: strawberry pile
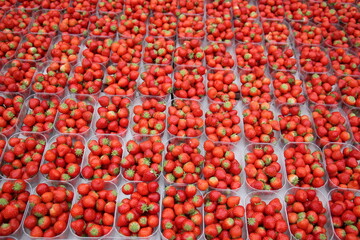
[104,158]
[63,158]
[14,197]
[304,165]
[93,213]
[181,216]
[49,211]
[221,169]
[263,170]
[183,161]
[22,158]
[143,161]
[223,212]
[138,213]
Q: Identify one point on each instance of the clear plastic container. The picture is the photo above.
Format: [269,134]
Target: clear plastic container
[86,45]
[151,25]
[17,11]
[265,196]
[136,164]
[296,29]
[116,180]
[187,103]
[303,111]
[219,10]
[329,41]
[11,130]
[96,116]
[284,49]
[39,13]
[299,99]
[89,100]
[169,44]
[44,68]
[183,36]
[177,141]
[5,72]
[144,71]
[236,111]
[231,147]
[101,7]
[326,68]
[249,66]
[84,17]
[313,148]
[49,146]
[143,26]
[121,82]
[192,72]
[341,191]
[42,57]
[201,210]
[276,133]
[245,8]
[220,97]
[323,142]
[225,53]
[62,4]
[57,40]
[122,196]
[18,233]
[353,55]
[26,110]
[138,136]
[11,51]
[255,23]
[283,24]
[324,200]
[96,26]
[309,87]
[228,193]
[73,74]
[226,42]
[65,233]
[278,152]
[23,135]
[129,51]
[331,183]
[77,197]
